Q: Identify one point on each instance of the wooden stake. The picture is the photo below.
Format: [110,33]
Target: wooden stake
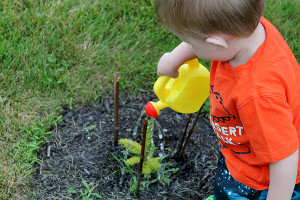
[190,133]
[145,124]
[116,109]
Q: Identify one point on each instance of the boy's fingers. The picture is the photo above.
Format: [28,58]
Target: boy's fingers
[173,75]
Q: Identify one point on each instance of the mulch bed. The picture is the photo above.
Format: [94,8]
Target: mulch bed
[81,145]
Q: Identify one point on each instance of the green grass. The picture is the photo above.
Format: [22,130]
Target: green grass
[285,15]
[56,53]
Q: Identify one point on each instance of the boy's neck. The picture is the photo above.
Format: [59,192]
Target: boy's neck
[247,46]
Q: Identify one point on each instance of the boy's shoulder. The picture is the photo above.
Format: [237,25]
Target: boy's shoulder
[275,47]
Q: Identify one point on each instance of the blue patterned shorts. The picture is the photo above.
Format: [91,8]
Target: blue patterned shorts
[226,187]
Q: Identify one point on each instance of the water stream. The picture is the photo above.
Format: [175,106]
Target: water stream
[138,122]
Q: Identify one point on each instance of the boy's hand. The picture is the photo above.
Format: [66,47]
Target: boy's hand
[170,62]
[167,67]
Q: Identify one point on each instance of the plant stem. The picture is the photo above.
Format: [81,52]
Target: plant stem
[116,109]
[190,133]
[145,124]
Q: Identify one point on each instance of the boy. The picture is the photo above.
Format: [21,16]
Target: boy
[255,92]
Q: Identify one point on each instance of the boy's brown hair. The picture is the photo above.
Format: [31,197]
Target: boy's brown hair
[203,17]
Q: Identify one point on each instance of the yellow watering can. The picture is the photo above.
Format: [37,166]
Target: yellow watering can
[184,94]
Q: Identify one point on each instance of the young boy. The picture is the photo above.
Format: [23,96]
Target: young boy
[255,92]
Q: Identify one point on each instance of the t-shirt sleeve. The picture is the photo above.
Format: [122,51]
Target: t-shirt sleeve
[268,123]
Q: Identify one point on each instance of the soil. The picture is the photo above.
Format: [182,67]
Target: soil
[81,147]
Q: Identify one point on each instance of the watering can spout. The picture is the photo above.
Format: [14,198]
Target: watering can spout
[152,109]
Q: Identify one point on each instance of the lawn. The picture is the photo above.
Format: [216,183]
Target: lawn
[60,53]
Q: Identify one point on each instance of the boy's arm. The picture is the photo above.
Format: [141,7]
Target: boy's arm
[170,62]
[283,177]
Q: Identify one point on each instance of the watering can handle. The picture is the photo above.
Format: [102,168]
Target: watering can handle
[163,80]
[193,63]
[161,83]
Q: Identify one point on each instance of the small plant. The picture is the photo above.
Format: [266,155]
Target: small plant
[164,173]
[151,164]
[86,194]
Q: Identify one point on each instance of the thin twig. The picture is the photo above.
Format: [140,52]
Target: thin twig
[145,124]
[116,109]
[183,137]
[190,132]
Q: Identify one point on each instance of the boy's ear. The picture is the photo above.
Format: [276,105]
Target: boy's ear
[217,40]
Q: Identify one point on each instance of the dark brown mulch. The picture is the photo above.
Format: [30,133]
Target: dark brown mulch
[81,146]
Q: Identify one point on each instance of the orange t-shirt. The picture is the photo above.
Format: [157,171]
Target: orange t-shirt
[255,110]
